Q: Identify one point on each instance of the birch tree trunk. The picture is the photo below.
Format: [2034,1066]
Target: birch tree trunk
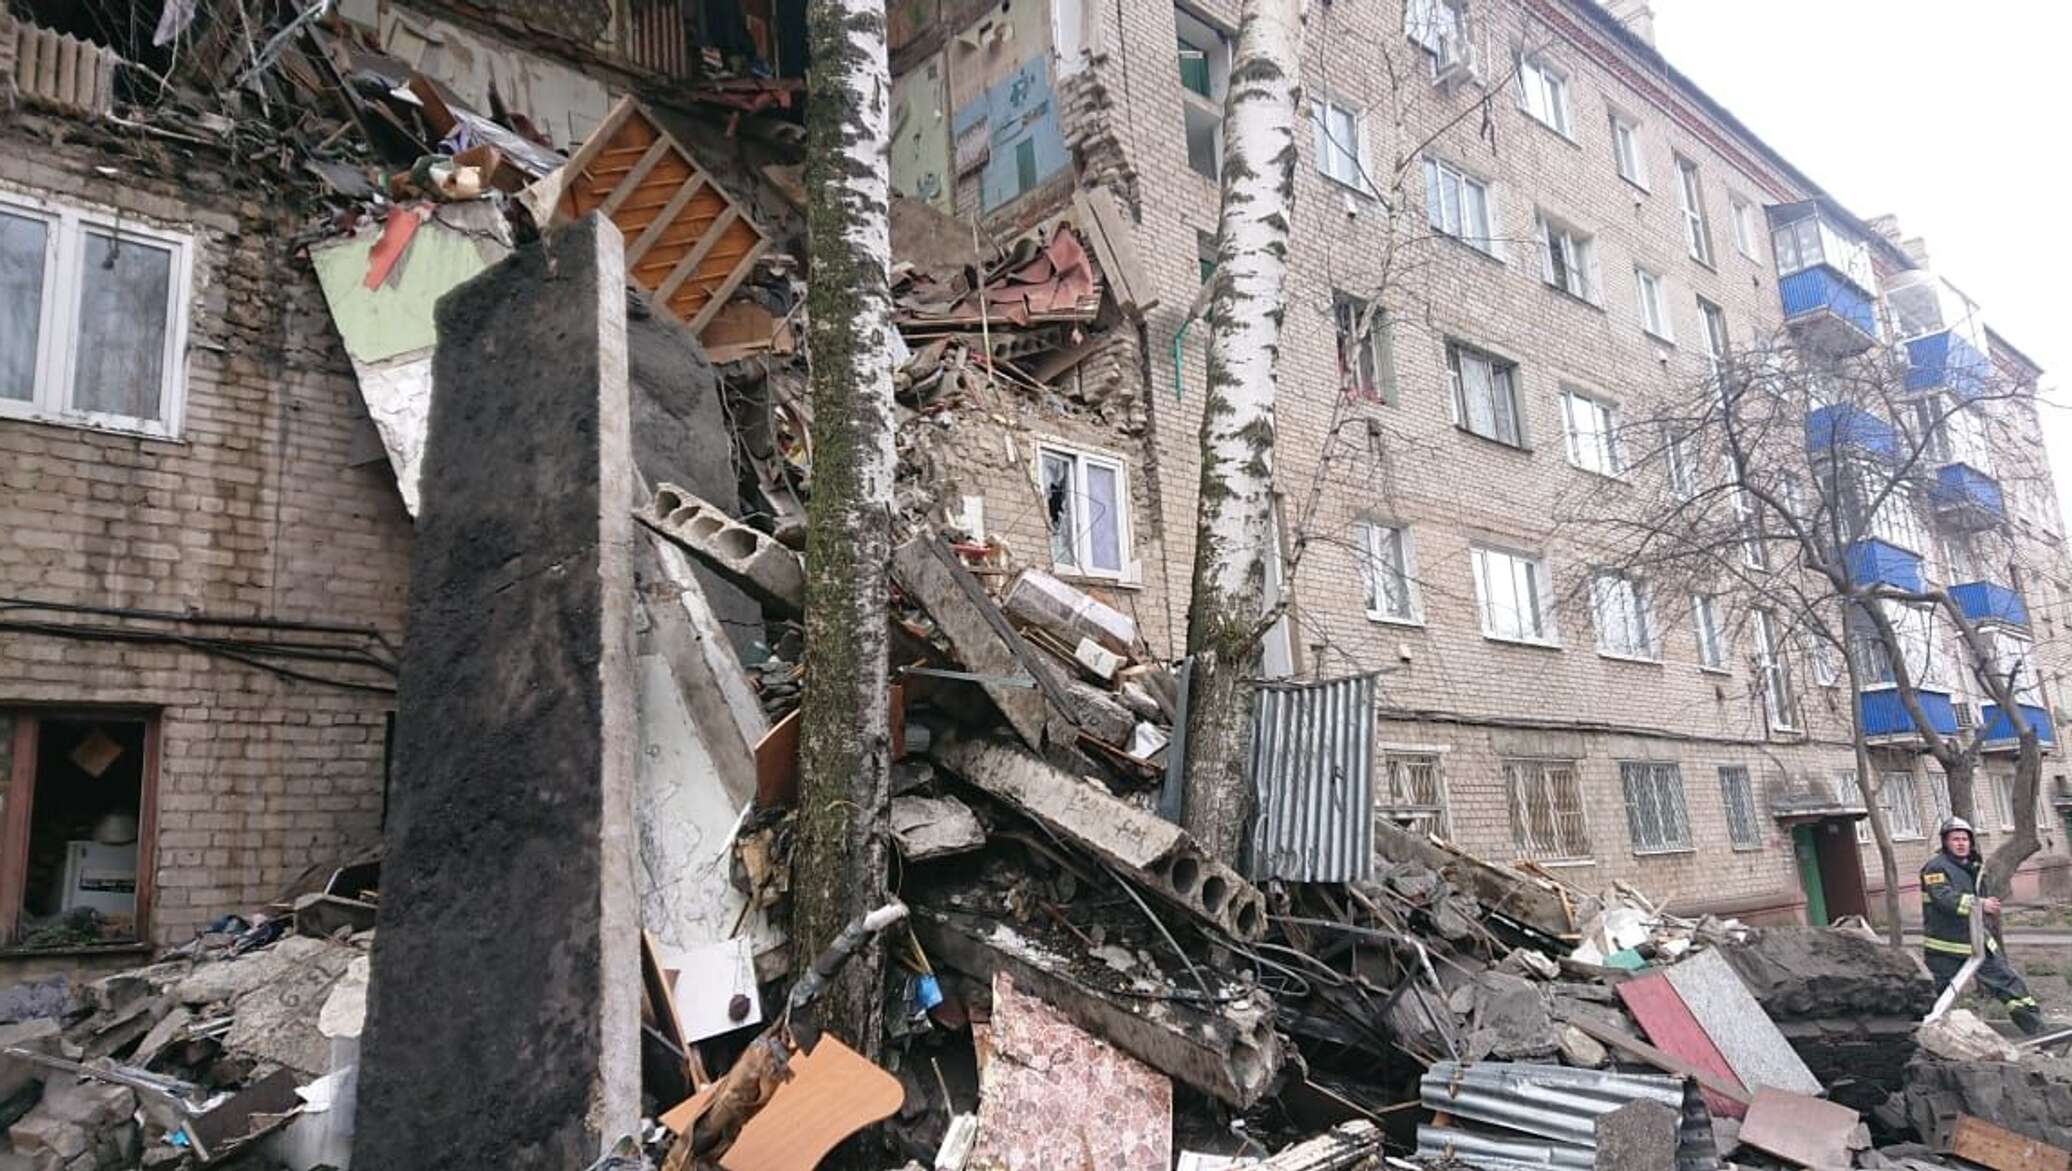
[1236,515]
[838,865]
[1881,832]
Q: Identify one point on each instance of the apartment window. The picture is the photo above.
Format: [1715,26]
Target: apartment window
[1511,591]
[1691,196]
[1743,830]
[2001,786]
[1773,674]
[1413,792]
[79,790]
[1939,796]
[1681,461]
[1085,498]
[1439,27]
[1457,204]
[1827,665]
[93,318]
[1546,809]
[1619,604]
[1655,806]
[1386,573]
[1366,365]
[1592,428]
[1747,518]
[1626,150]
[1485,394]
[1543,92]
[1340,149]
[1204,80]
[1746,231]
[1712,634]
[1654,303]
[1205,255]
[1714,319]
[1902,806]
[1568,258]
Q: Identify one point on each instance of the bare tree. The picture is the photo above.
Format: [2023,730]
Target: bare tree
[1235,530]
[839,867]
[1840,502]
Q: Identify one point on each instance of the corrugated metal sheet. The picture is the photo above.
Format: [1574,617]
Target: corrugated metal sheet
[1543,1116]
[1313,771]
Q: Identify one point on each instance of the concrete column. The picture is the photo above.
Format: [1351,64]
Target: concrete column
[503,1022]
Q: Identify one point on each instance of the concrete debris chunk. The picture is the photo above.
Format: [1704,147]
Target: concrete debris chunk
[1958,1035]
[749,558]
[1639,1136]
[1100,714]
[1580,1049]
[934,827]
[1043,601]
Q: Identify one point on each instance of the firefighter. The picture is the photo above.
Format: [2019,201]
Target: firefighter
[1950,885]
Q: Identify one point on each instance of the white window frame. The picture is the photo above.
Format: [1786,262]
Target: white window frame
[2003,800]
[1690,197]
[1653,793]
[1712,331]
[1773,673]
[1568,257]
[57,335]
[1440,28]
[1376,539]
[1625,621]
[1568,824]
[1627,154]
[1653,296]
[1443,177]
[1747,231]
[1534,629]
[1500,377]
[1680,464]
[1591,426]
[1329,150]
[1082,534]
[1543,93]
[1900,798]
[1737,798]
[1711,633]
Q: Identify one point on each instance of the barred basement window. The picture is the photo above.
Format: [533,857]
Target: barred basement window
[1413,792]
[1546,809]
[1742,828]
[1655,806]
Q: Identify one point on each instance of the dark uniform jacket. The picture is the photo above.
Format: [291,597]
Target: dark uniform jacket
[1948,889]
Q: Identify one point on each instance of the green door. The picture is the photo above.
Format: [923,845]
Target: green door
[1803,845]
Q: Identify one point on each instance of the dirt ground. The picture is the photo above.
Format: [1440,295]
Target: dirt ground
[2044,962]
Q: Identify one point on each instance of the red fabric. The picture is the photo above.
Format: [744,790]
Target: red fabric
[395,239]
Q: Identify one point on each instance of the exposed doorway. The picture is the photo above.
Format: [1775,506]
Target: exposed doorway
[79,805]
[1830,869]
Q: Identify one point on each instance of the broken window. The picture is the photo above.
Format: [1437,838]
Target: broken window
[1084,502]
[1546,809]
[1655,806]
[1568,257]
[1204,79]
[1691,197]
[1365,365]
[71,868]
[92,318]
[1742,827]
[1413,792]
[1511,592]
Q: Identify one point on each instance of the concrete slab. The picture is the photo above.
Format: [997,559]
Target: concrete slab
[503,1019]
[1722,1005]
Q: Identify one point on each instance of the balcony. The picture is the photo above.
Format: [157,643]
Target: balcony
[1967,498]
[1826,310]
[1885,719]
[1986,604]
[1999,729]
[1946,361]
[1874,562]
[1844,428]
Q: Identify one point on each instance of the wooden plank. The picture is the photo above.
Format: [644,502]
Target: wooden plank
[14,847]
[2001,1149]
[1634,1047]
[689,264]
[1799,1129]
[727,287]
[1655,1003]
[777,764]
[659,149]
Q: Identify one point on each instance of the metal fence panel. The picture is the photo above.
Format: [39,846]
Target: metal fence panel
[1313,772]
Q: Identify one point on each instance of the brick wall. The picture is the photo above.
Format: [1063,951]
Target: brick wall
[254,511]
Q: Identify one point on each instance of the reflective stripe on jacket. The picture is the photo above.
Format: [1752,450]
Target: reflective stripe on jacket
[1949,887]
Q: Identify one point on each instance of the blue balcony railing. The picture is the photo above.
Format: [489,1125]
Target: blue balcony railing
[1970,497]
[1988,604]
[1945,361]
[1999,729]
[1874,562]
[1828,308]
[1845,427]
[1885,719]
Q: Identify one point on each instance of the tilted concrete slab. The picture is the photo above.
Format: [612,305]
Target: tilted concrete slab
[1151,851]
[749,558]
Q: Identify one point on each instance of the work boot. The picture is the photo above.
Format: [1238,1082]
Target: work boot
[2028,1020]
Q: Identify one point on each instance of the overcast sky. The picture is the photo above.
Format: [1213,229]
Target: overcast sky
[1952,117]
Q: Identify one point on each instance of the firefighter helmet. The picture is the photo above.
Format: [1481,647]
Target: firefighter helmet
[1952,825]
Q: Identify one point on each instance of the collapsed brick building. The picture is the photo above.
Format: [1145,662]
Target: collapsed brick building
[209,508]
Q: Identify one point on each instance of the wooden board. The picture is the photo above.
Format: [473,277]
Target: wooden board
[1668,1063]
[2001,1149]
[687,241]
[1800,1129]
[1654,1002]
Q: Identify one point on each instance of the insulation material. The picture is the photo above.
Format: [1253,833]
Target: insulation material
[1054,1096]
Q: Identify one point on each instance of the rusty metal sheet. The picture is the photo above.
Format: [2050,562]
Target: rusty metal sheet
[2001,1149]
[1313,770]
[1654,1002]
